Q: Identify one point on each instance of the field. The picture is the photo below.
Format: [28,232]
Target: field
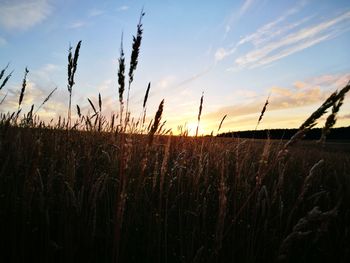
[98,197]
[85,188]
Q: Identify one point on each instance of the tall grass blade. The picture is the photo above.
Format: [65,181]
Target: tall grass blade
[2,72]
[199,113]
[6,78]
[157,119]
[4,98]
[92,106]
[24,84]
[222,120]
[262,111]
[46,100]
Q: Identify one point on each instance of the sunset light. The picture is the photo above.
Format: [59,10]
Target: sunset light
[237,52]
[185,131]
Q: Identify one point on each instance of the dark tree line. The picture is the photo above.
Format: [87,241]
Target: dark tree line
[342,133]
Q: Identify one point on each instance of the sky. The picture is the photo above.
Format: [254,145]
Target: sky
[235,52]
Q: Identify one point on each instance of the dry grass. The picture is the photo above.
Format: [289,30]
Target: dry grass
[84,196]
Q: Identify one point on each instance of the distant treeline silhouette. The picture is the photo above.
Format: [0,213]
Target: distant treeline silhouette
[342,133]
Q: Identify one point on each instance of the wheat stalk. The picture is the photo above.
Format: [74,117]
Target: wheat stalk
[100,110]
[315,221]
[199,112]
[146,95]
[29,118]
[99,102]
[45,100]
[331,119]
[134,56]
[78,111]
[145,102]
[263,111]
[93,107]
[121,78]
[222,120]
[311,121]
[4,98]
[2,72]
[24,84]
[156,122]
[72,67]
[6,78]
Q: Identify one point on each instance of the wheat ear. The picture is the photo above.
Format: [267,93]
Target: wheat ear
[134,57]
[263,111]
[72,67]
[199,113]
[222,120]
[24,84]
[156,122]
[45,100]
[121,78]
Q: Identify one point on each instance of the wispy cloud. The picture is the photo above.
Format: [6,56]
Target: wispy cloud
[195,76]
[265,56]
[336,80]
[23,14]
[77,24]
[299,84]
[344,117]
[3,41]
[222,53]
[172,83]
[165,82]
[95,12]
[304,93]
[236,15]
[281,98]
[286,45]
[246,5]
[44,74]
[123,8]
[41,82]
[262,35]
[34,94]
[278,39]
[271,30]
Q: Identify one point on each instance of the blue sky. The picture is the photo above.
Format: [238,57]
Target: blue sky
[236,52]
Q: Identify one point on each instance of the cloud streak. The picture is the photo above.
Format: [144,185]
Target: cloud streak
[278,39]
[263,34]
[123,8]
[23,14]
[294,42]
[77,24]
[245,7]
[3,42]
[95,12]
[236,15]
